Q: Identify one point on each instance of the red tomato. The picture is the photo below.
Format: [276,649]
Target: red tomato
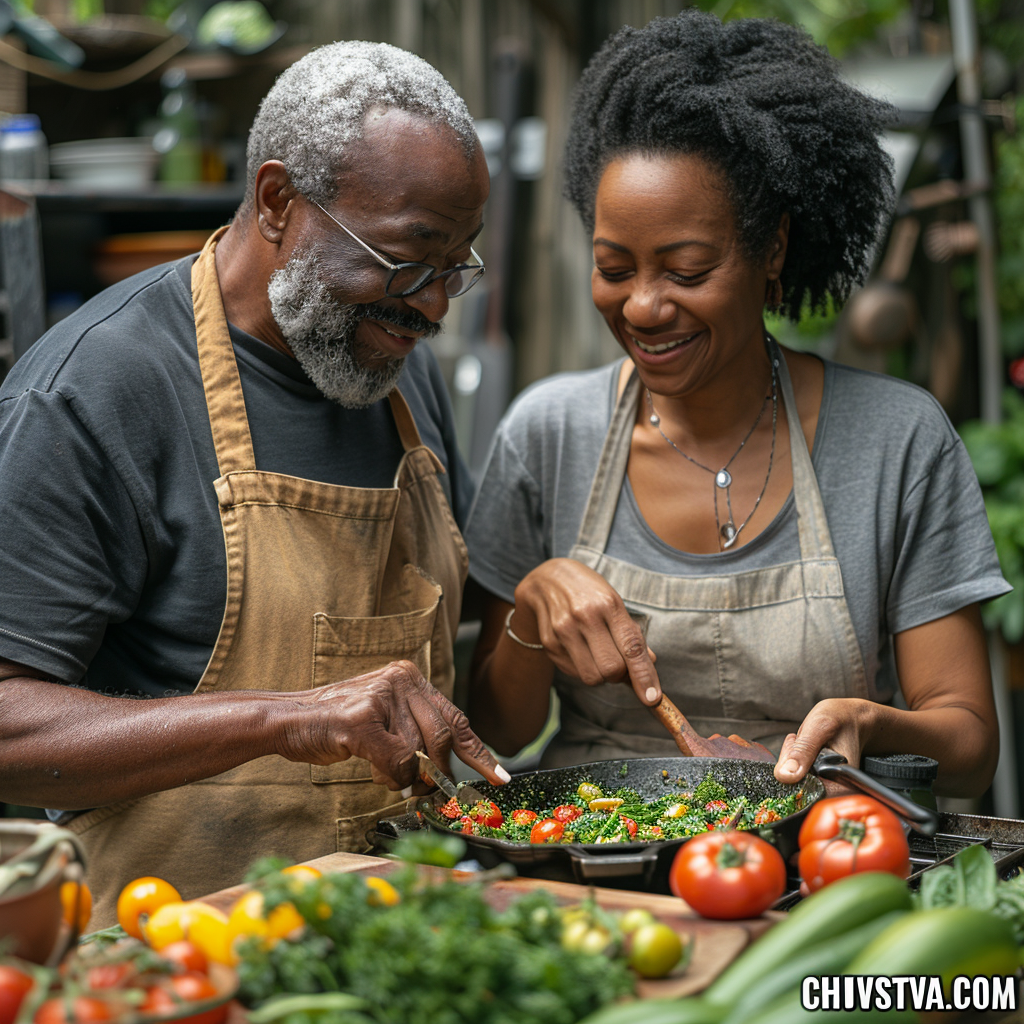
[186,955]
[524,817]
[191,987]
[109,975]
[566,813]
[631,826]
[467,825]
[487,812]
[728,875]
[846,834]
[14,986]
[547,830]
[84,1010]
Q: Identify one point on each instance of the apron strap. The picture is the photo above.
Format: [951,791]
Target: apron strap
[221,383]
[812,523]
[404,420]
[611,470]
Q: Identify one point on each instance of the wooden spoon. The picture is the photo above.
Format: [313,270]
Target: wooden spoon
[692,744]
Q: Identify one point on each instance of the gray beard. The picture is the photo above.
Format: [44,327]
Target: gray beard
[320,331]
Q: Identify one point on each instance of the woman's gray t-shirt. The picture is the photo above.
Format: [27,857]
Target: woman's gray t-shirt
[903,504]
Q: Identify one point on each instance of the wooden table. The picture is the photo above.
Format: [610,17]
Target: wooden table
[715,943]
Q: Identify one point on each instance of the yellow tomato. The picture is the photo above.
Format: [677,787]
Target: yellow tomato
[167,924]
[382,894]
[208,930]
[300,875]
[76,902]
[304,872]
[247,917]
[139,899]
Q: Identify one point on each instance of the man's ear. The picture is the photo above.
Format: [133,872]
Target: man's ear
[777,249]
[273,198]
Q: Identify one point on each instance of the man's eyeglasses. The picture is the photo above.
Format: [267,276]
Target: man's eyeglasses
[407,278]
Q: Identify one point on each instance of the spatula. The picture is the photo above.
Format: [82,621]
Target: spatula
[692,744]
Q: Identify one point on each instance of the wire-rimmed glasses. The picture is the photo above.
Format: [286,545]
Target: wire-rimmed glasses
[407,278]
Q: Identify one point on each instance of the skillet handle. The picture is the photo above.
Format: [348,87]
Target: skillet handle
[922,819]
[587,868]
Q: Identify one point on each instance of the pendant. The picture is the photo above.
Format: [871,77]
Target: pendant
[655,419]
[728,533]
[723,478]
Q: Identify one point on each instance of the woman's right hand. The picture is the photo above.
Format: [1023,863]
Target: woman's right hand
[584,627]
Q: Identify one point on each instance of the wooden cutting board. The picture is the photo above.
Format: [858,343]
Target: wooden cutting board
[715,943]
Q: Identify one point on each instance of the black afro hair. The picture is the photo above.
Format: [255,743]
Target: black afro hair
[767,106]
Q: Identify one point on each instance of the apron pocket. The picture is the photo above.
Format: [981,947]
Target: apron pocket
[344,647]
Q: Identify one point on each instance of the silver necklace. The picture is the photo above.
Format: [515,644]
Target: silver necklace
[728,532]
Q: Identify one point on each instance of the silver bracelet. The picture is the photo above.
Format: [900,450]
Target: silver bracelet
[522,643]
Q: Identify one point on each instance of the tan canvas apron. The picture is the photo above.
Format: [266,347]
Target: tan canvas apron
[323,583]
[746,653]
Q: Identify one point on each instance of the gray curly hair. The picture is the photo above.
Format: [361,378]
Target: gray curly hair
[317,107]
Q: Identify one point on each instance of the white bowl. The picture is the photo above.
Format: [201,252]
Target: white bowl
[105,163]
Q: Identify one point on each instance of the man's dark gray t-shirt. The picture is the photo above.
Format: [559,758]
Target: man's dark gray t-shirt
[112,566]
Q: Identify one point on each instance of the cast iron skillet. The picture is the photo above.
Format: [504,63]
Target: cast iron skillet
[646,865]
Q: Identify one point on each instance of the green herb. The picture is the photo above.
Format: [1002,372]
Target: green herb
[969,881]
[442,955]
[708,789]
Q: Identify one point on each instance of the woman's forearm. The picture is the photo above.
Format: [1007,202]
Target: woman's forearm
[511,696]
[965,744]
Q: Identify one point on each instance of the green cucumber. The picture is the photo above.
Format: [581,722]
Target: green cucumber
[658,1011]
[828,958]
[946,941]
[787,1010]
[832,911]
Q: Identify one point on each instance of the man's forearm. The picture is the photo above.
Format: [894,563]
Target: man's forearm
[69,748]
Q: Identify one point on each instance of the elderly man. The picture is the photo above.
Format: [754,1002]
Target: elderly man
[215,494]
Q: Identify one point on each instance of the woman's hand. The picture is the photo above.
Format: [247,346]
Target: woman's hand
[946,683]
[584,627]
[837,723]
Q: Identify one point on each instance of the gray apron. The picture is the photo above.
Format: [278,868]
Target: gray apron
[747,653]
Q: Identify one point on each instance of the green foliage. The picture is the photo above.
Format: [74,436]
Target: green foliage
[997,451]
[837,24]
[442,955]
[1009,215]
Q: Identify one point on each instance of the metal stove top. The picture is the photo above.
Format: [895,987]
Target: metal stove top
[1002,837]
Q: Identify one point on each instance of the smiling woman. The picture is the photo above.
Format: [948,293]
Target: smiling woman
[774,541]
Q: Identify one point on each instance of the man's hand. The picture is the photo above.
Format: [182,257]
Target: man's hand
[385,717]
[584,626]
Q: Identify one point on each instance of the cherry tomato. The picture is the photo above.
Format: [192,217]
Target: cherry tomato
[186,955]
[191,987]
[467,825]
[488,813]
[846,834]
[76,903]
[654,949]
[728,875]
[566,813]
[631,826]
[84,1010]
[524,817]
[141,898]
[110,975]
[14,986]
[547,831]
